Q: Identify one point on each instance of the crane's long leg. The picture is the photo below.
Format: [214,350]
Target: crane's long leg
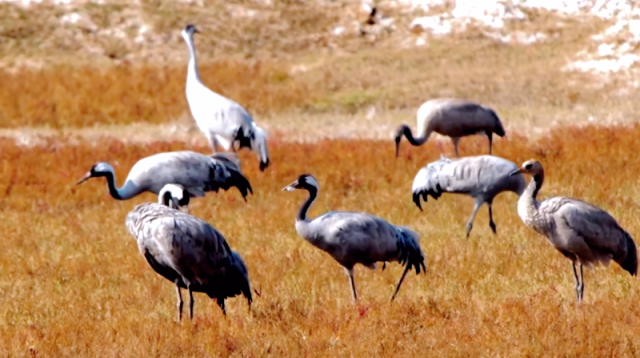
[400,283]
[353,283]
[490,135]
[473,217]
[222,306]
[180,302]
[455,141]
[213,142]
[579,281]
[190,301]
[492,225]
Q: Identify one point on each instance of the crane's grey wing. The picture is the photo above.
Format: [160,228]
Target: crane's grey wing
[179,242]
[197,172]
[354,237]
[457,117]
[590,232]
[445,176]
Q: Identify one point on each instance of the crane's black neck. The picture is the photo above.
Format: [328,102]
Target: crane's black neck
[414,141]
[111,183]
[302,212]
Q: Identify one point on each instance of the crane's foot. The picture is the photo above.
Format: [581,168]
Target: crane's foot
[468,229]
[493,227]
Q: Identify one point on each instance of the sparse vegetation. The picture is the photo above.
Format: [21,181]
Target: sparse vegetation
[72,282]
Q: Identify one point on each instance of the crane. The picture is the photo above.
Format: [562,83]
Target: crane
[197,173]
[454,118]
[222,120]
[187,251]
[582,232]
[481,177]
[352,238]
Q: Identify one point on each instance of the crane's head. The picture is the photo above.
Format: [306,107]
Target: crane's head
[189,31]
[174,196]
[305,181]
[100,169]
[531,167]
[401,131]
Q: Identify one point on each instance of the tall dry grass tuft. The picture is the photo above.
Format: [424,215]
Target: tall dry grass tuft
[73,284]
[65,96]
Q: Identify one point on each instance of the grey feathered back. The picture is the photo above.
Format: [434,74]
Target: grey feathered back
[197,172]
[483,175]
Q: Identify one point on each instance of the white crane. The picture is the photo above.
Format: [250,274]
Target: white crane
[197,173]
[582,232]
[454,118]
[481,177]
[352,238]
[222,120]
[187,251]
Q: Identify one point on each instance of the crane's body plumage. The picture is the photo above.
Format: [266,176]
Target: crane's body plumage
[481,177]
[357,238]
[222,120]
[454,118]
[581,231]
[188,252]
[196,172]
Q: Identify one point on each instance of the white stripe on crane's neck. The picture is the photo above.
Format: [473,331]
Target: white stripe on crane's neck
[192,68]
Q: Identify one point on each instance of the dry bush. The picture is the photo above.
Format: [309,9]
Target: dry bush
[72,282]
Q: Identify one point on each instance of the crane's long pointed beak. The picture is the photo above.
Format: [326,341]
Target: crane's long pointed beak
[84,178]
[397,147]
[515,172]
[290,187]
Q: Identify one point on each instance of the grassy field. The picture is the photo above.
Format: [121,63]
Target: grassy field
[72,282]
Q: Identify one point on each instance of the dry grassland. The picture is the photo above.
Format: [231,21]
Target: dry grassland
[72,282]
[290,72]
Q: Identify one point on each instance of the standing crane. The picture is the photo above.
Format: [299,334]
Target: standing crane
[481,177]
[197,173]
[454,118]
[582,232]
[187,251]
[222,120]
[352,238]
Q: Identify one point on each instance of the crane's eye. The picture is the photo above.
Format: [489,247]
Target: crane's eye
[528,166]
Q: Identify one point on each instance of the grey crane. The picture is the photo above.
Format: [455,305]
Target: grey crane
[352,238]
[582,232]
[197,173]
[454,118]
[187,251]
[482,177]
[222,120]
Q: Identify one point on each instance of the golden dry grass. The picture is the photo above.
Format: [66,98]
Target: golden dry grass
[72,282]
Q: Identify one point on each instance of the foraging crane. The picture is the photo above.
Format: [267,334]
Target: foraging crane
[198,173]
[454,118]
[352,238]
[582,232]
[482,177]
[187,251]
[222,120]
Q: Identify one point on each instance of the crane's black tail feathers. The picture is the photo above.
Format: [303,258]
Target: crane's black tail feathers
[409,252]
[630,261]
[498,128]
[435,193]
[227,175]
